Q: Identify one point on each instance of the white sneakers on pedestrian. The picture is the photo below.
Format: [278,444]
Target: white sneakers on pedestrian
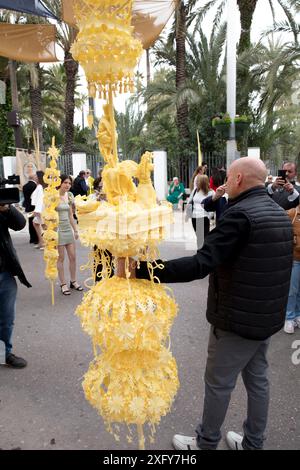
[234,441]
[289,327]
[184,442]
[297,322]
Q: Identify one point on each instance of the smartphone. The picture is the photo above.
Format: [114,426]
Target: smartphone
[282,174]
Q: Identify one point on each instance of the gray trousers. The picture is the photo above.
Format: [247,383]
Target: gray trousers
[228,356]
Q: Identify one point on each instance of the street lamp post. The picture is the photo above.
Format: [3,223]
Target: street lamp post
[231,75]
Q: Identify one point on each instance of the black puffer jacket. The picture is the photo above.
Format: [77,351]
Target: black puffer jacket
[249,256]
[248,295]
[12,219]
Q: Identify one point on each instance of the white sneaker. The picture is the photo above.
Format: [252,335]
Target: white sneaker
[297,322]
[289,327]
[234,441]
[184,442]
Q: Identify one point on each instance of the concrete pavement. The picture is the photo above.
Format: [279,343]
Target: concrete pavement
[43,406]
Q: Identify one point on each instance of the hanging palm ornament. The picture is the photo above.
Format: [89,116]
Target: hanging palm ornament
[133,378]
[50,216]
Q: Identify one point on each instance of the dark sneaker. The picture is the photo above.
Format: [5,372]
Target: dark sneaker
[15,362]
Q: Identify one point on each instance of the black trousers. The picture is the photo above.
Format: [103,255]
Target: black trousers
[32,232]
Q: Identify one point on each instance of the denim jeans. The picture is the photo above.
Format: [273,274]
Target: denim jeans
[293,306]
[8,294]
[228,356]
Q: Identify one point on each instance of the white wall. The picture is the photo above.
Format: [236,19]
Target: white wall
[160,174]
[79,163]
[9,166]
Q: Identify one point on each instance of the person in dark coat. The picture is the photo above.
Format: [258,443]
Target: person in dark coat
[10,218]
[80,187]
[286,192]
[28,189]
[249,258]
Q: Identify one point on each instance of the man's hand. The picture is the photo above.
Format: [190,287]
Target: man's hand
[121,268]
[4,208]
[278,183]
[220,191]
[289,187]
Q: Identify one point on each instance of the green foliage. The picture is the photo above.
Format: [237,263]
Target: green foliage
[6,132]
[243,119]
[223,120]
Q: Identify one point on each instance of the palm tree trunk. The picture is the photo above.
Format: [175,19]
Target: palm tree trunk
[247,8]
[71,67]
[15,100]
[35,93]
[148,65]
[182,110]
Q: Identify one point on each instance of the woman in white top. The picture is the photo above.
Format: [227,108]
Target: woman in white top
[37,200]
[200,218]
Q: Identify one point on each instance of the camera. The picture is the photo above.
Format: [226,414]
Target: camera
[9,195]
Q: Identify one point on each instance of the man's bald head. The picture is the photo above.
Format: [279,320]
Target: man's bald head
[245,173]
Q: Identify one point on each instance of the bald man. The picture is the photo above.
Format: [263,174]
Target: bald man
[249,259]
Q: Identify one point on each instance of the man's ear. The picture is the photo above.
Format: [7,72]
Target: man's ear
[239,178]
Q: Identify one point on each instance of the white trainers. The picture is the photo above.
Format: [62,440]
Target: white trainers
[297,322]
[234,441]
[289,327]
[184,442]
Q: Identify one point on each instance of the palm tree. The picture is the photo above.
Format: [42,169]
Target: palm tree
[65,38]
[204,89]
[247,9]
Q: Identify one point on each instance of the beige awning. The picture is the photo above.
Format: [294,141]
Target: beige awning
[28,42]
[149,17]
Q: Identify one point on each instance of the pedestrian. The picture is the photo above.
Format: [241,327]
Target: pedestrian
[218,201]
[249,258]
[176,191]
[199,216]
[286,191]
[67,234]
[10,218]
[37,200]
[79,187]
[198,171]
[293,307]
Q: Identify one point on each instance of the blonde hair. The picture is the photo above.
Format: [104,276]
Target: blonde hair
[202,183]
[198,171]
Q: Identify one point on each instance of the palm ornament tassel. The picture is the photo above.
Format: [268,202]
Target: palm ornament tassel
[133,378]
[50,216]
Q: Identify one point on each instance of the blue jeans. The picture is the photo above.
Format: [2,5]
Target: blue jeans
[293,306]
[8,294]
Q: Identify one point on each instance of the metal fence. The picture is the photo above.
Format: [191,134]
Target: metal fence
[210,158]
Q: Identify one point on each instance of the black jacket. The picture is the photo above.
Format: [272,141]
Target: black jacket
[280,196]
[79,187]
[249,255]
[12,219]
[28,189]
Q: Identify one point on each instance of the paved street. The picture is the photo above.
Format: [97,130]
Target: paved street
[43,406]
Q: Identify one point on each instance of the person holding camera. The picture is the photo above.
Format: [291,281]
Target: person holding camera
[285,191]
[10,218]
